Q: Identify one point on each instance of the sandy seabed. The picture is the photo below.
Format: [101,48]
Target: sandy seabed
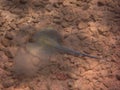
[90,26]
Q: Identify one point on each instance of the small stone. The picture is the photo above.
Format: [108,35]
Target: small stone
[82,25]
[73,76]
[8,83]
[57,21]
[118,77]
[5,42]
[66,2]
[10,52]
[61,76]
[49,8]
[57,5]
[64,24]
[9,35]
[69,17]
[85,6]
[23,1]
[53,86]
[100,4]
[70,84]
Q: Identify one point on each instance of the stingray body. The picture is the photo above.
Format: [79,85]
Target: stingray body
[29,59]
[51,41]
[35,55]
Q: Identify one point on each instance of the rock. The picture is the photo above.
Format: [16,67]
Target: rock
[5,42]
[118,77]
[82,25]
[57,20]
[73,76]
[57,5]
[10,51]
[61,76]
[72,85]
[23,1]
[49,8]
[8,16]
[55,85]
[93,64]
[8,83]
[100,3]
[9,35]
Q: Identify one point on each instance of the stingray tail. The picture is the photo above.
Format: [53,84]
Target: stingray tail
[66,50]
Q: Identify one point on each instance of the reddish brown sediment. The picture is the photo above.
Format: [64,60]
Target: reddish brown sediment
[90,26]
